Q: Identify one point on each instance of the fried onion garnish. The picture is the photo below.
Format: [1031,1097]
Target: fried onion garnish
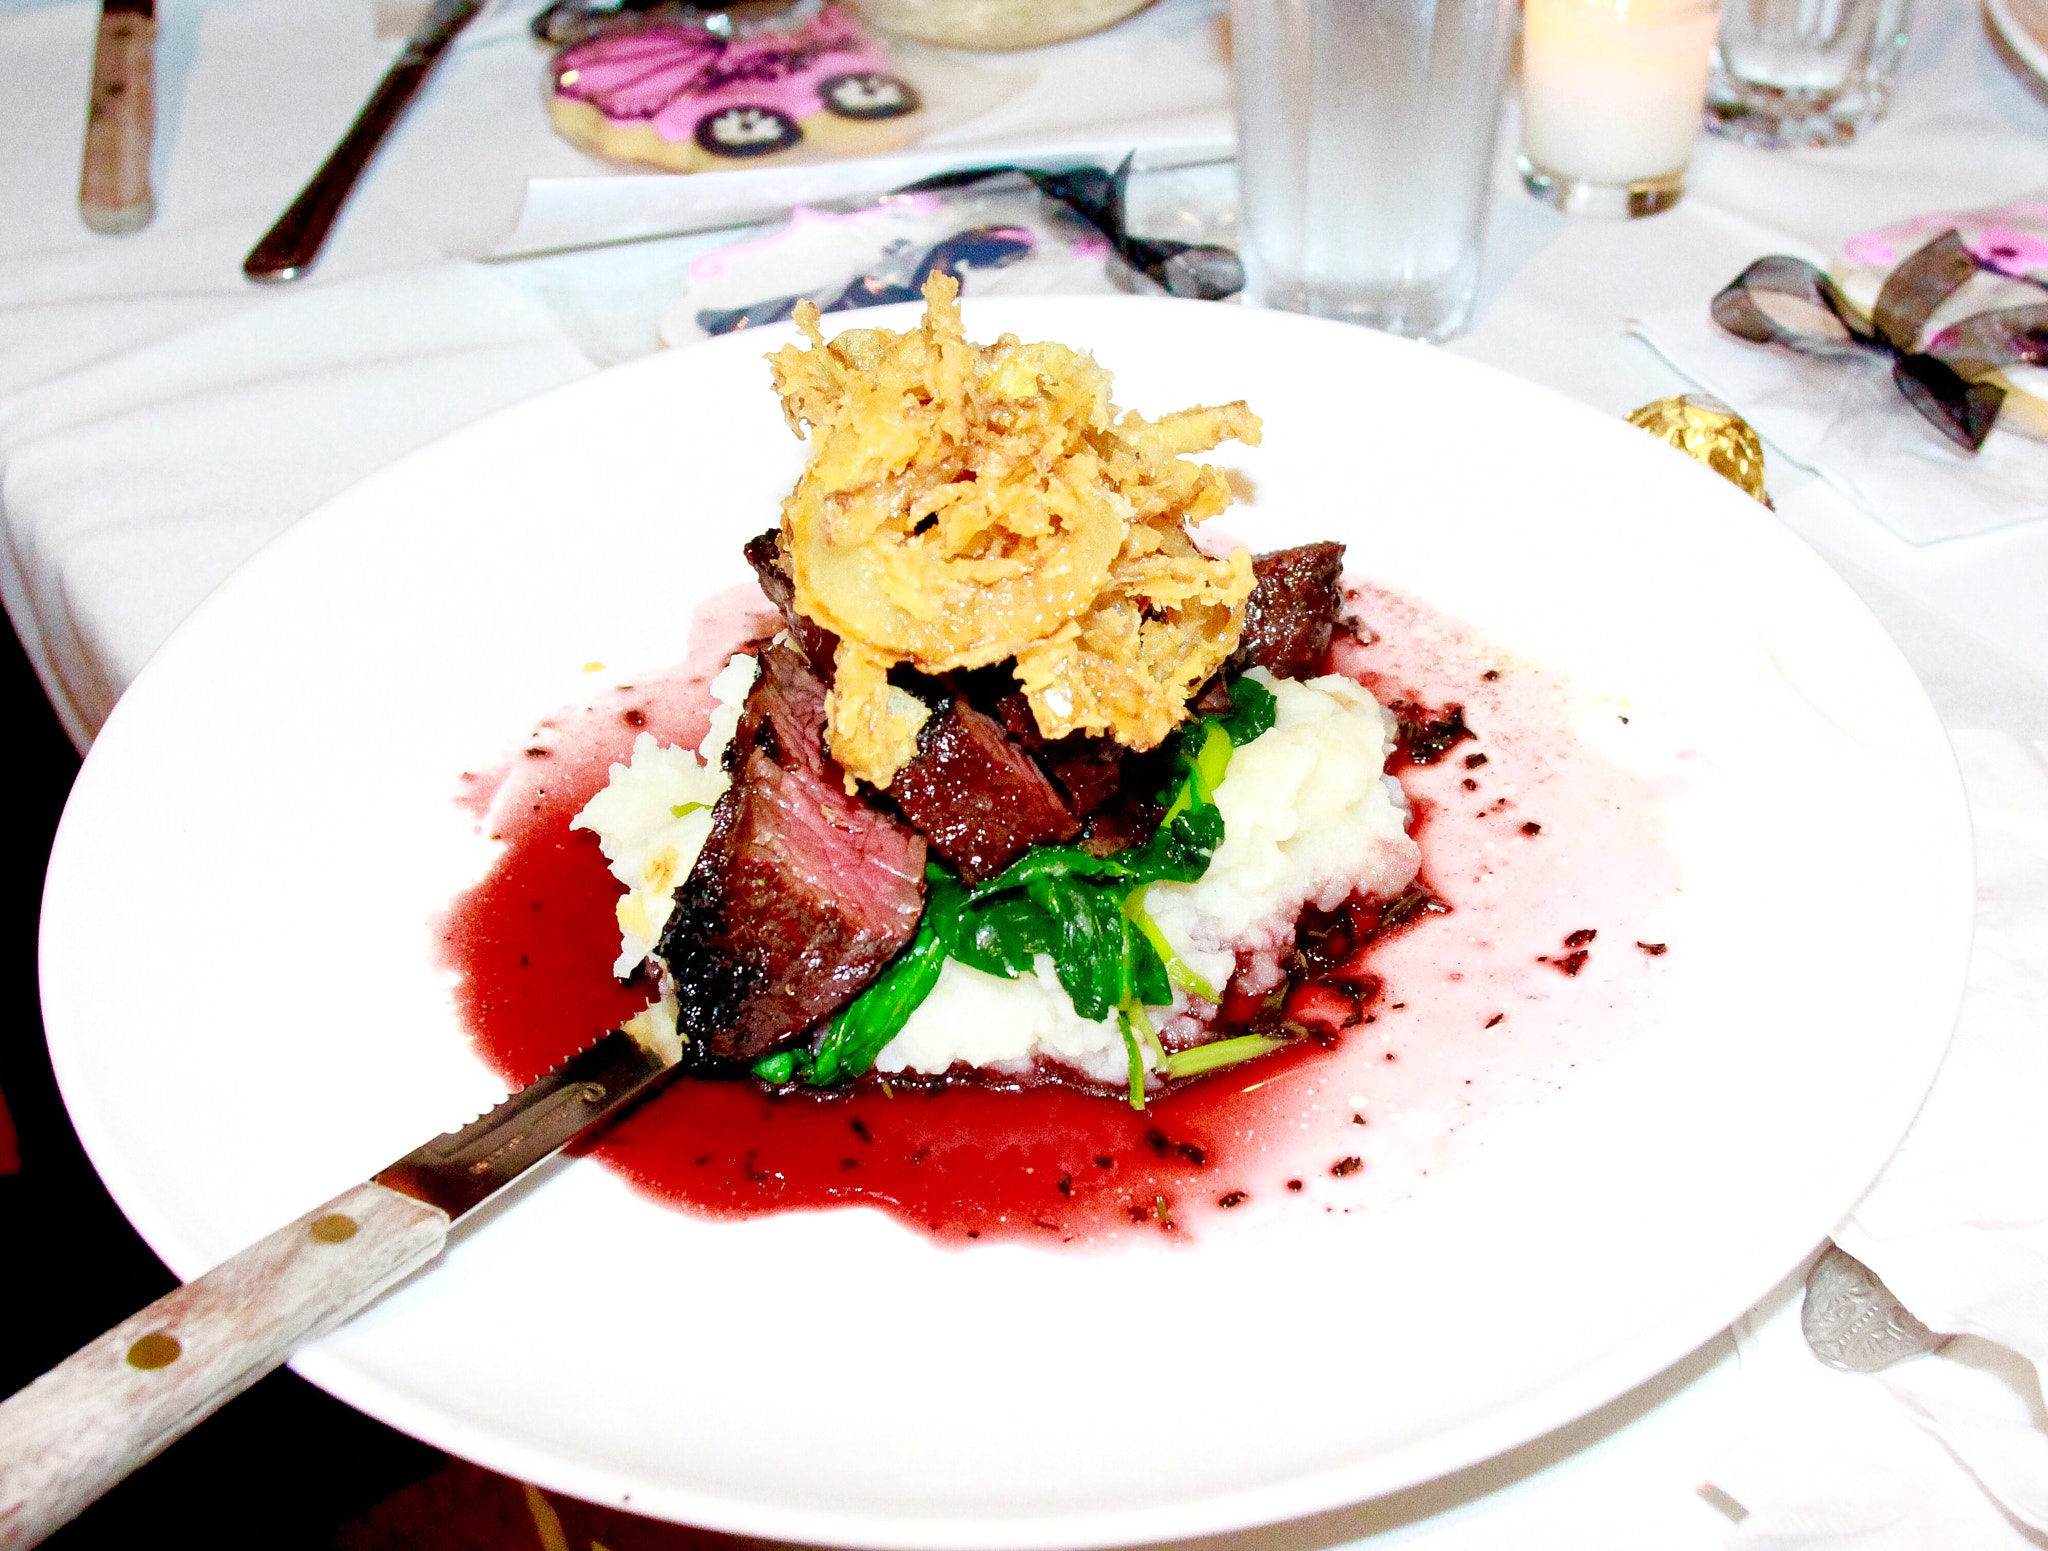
[966,504]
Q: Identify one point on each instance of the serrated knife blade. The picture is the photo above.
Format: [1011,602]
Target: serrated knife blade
[114,1404]
[460,1170]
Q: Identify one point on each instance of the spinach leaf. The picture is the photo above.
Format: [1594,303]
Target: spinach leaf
[1002,936]
[1177,970]
[1253,710]
[1048,862]
[1090,938]
[1179,849]
[1145,981]
[782,1066]
[864,1025]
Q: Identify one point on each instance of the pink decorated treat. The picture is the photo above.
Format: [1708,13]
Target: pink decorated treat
[683,98]
[2011,239]
[2010,243]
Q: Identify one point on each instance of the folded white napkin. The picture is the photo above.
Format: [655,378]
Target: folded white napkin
[130,487]
[1843,419]
[1950,1449]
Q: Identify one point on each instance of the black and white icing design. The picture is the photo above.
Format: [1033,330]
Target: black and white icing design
[744,131]
[868,95]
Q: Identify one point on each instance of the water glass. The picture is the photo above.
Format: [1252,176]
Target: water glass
[1804,72]
[1366,131]
[1611,95]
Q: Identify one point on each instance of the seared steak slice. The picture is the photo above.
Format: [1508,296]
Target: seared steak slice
[1088,770]
[801,894]
[1293,605]
[818,644]
[977,796]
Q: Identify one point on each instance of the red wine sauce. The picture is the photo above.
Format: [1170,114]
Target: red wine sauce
[535,941]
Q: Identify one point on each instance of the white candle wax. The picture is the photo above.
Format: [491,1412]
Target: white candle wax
[1612,89]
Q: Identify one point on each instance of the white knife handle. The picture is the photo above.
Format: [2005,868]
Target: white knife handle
[120,130]
[110,1407]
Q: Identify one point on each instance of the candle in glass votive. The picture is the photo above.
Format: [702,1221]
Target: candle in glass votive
[1611,99]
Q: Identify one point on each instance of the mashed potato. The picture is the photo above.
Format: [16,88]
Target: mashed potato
[977,1019]
[654,814]
[1309,818]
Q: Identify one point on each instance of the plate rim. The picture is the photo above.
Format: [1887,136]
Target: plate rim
[2031,50]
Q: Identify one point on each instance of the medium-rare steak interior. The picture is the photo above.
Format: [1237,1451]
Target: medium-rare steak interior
[802,892]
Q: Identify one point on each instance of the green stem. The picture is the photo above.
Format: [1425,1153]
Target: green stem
[1141,1024]
[1137,1059]
[1218,1054]
[1177,969]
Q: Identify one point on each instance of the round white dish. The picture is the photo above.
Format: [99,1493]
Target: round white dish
[245,1017]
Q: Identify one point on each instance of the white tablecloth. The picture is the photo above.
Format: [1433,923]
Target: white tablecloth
[160,420]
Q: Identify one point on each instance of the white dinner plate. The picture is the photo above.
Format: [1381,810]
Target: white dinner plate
[245,1016]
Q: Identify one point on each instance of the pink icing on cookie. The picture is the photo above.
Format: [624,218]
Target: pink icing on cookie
[1870,248]
[2013,253]
[2012,239]
[671,77]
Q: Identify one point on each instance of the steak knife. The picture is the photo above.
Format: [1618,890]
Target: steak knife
[288,249]
[113,185]
[114,1404]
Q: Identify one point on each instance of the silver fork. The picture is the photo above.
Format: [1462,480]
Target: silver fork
[1853,1322]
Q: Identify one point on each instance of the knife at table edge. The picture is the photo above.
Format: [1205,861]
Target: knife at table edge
[114,196]
[115,1403]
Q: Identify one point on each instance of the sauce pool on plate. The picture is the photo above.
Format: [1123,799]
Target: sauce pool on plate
[1544,850]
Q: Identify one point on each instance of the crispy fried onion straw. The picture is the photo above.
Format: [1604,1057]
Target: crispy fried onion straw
[967,504]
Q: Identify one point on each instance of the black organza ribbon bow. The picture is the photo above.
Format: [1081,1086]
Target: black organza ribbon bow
[1199,270]
[1935,377]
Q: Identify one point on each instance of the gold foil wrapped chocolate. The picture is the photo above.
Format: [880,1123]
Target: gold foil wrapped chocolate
[1706,429]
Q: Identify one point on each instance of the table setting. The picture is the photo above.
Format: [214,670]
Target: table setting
[354,360]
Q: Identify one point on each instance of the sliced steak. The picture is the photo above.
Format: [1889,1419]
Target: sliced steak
[764,554]
[1089,770]
[1294,604]
[993,691]
[801,893]
[977,796]
[1124,825]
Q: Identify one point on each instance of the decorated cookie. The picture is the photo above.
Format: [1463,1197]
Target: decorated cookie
[2010,244]
[689,98]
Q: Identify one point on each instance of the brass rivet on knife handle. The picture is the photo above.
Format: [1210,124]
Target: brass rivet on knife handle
[120,1399]
[113,187]
[113,1404]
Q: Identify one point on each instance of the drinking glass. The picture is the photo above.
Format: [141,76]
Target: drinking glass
[1366,131]
[1611,94]
[1804,72]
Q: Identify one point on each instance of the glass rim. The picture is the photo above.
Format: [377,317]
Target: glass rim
[1646,10]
